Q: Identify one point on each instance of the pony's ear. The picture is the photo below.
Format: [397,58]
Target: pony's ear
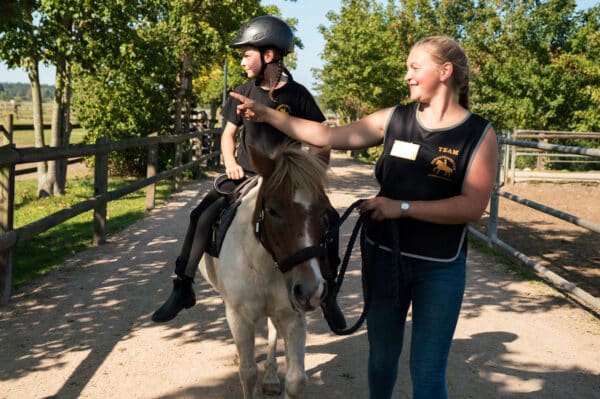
[323,153]
[263,165]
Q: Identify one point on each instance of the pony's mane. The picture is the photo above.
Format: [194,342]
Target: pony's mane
[295,168]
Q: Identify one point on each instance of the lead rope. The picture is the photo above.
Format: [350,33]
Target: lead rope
[359,226]
[364,269]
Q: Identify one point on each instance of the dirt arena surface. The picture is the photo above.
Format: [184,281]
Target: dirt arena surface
[85,331]
[568,250]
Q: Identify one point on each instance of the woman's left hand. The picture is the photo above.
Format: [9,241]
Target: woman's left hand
[381,208]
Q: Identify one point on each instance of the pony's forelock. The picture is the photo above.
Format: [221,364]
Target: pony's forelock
[295,169]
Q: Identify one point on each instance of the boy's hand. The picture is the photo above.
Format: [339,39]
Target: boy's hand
[234,171]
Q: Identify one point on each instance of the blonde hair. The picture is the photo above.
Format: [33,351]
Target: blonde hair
[445,49]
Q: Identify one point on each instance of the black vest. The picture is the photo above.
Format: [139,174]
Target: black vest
[422,164]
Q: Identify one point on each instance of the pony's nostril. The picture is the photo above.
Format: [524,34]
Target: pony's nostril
[298,291]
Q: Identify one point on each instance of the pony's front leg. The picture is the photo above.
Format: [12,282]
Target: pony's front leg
[243,335]
[293,330]
[271,385]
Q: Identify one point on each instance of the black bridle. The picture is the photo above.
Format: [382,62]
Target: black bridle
[302,255]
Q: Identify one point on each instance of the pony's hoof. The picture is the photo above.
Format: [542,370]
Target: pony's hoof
[271,389]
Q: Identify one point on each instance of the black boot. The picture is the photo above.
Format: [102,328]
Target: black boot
[181,297]
[331,310]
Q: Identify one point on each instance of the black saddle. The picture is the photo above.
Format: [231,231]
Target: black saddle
[234,190]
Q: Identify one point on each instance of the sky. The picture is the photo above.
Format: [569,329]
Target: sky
[310,14]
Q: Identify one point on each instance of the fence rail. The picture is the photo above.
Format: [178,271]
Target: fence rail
[507,146]
[11,156]
[543,151]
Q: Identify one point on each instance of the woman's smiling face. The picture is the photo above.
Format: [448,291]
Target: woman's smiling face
[422,75]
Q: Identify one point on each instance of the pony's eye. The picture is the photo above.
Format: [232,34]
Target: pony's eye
[272,212]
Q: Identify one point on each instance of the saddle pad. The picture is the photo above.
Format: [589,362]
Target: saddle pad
[221,225]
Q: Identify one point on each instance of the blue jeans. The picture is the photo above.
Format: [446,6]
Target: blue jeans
[435,290]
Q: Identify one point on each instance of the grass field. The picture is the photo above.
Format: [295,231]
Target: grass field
[24,117]
[25,138]
[47,251]
[24,114]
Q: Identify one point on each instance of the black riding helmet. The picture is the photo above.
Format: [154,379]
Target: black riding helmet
[265,32]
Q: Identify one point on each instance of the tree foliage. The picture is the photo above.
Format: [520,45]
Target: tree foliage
[138,67]
[535,64]
[146,86]
[361,66]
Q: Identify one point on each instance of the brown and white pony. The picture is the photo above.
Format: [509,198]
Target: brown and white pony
[269,264]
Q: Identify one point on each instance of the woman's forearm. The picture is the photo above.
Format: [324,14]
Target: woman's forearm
[304,130]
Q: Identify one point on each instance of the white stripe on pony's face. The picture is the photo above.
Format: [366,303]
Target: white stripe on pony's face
[302,199]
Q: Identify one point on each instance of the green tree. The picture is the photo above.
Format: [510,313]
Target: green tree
[22,44]
[361,70]
[534,63]
[583,65]
[147,86]
[128,91]
[81,34]
[199,32]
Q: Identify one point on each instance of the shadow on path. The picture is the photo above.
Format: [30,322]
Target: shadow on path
[85,331]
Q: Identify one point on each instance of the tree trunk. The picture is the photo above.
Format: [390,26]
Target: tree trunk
[32,68]
[183,102]
[65,134]
[57,125]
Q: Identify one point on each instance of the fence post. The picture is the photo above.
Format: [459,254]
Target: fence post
[150,172]
[196,153]
[513,160]
[492,233]
[7,200]
[100,187]
[178,163]
[216,146]
[506,159]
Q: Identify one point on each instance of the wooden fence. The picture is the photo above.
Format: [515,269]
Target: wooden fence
[11,156]
[507,146]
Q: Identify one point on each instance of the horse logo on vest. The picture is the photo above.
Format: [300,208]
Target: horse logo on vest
[444,167]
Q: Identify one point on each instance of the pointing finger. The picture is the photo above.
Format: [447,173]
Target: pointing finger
[237,96]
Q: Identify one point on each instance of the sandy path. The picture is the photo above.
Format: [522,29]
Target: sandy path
[85,331]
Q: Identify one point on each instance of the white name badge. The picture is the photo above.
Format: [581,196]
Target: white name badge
[404,149]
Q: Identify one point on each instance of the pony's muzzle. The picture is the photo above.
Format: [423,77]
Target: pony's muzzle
[306,297]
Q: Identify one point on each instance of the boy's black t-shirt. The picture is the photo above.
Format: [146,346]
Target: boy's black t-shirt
[293,99]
